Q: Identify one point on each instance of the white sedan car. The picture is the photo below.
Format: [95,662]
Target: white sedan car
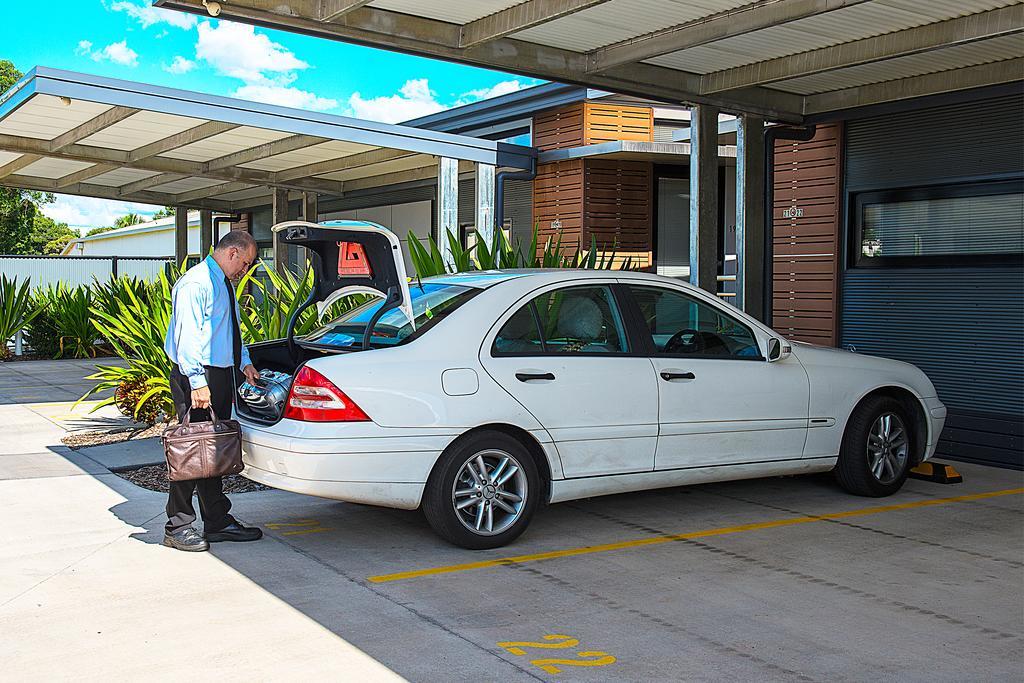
[482,397]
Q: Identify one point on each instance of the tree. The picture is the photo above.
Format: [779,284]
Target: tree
[48,236]
[128,219]
[20,208]
[100,230]
[165,212]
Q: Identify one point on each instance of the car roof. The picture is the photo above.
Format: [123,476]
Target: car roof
[483,279]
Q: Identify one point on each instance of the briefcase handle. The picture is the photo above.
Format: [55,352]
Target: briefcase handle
[188,415]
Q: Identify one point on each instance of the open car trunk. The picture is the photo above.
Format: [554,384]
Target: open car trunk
[347,257]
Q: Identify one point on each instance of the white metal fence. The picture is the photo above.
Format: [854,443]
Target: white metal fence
[79,270]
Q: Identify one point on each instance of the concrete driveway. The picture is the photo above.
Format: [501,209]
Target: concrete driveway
[777,579]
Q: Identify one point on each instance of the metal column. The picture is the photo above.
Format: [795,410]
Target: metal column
[704,198]
[180,234]
[447,205]
[279,214]
[485,203]
[750,208]
[205,232]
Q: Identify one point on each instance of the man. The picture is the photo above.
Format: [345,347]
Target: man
[204,345]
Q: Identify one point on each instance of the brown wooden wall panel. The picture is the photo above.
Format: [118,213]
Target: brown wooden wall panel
[558,199]
[559,128]
[806,247]
[606,122]
[617,207]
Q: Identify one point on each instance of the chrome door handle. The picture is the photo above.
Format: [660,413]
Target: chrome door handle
[669,376]
[529,376]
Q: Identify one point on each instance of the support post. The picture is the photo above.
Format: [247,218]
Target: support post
[704,198]
[279,214]
[180,234]
[310,201]
[750,208]
[485,204]
[447,205]
[205,232]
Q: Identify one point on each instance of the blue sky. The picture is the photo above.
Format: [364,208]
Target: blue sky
[129,39]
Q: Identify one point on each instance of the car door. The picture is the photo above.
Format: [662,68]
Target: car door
[720,401]
[565,355]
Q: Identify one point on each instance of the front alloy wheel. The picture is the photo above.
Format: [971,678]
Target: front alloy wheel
[877,448]
[483,491]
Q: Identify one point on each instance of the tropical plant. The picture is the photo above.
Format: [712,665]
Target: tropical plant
[134,324]
[110,294]
[67,324]
[501,254]
[265,313]
[17,309]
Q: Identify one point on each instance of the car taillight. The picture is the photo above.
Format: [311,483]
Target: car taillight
[314,398]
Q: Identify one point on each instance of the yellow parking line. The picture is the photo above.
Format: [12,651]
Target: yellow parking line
[657,540]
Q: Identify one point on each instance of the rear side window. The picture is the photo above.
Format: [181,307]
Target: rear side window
[431,302]
[575,320]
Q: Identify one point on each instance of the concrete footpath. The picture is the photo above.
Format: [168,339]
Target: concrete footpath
[86,591]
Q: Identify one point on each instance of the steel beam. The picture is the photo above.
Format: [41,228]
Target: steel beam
[750,208]
[205,232]
[107,192]
[331,10]
[431,38]
[519,18]
[704,198]
[279,214]
[735,22]
[210,191]
[84,174]
[76,152]
[151,181]
[485,204]
[16,165]
[960,31]
[91,127]
[264,151]
[185,137]
[447,206]
[181,234]
[995,73]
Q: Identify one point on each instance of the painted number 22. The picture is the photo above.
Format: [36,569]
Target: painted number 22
[557,641]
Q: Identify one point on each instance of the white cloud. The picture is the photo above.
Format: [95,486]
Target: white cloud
[496,90]
[89,212]
[180,65]
[118,53]
[236,50]
[286,97]
[147,15]
[414,99]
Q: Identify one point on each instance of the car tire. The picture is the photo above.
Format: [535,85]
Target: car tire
[483,520]
[877,450]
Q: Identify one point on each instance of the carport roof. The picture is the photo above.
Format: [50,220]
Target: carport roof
[785,59]
[87,135]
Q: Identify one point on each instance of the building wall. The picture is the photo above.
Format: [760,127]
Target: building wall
[805,236]
[958,318]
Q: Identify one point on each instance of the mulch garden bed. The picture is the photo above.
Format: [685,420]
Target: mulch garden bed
[154,478]
[78,440]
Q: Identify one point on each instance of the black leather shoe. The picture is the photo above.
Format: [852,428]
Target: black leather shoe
[235,532]
[187,539]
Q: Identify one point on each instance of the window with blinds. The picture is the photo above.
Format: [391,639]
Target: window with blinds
[948,225]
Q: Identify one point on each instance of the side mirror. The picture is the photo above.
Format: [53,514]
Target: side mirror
[778,350]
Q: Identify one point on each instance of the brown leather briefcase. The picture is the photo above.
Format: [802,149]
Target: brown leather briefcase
[199,450]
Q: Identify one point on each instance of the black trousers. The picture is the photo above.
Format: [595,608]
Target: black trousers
[213,504]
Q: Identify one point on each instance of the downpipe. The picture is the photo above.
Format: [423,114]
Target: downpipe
[802,134]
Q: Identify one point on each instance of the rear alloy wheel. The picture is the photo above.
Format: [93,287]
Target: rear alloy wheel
[876,452]
[483,492]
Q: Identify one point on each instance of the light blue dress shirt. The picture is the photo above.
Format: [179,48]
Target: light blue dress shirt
[200,329]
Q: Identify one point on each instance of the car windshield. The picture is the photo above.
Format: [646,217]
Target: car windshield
[431,302]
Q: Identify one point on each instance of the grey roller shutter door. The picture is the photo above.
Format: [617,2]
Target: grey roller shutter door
[964,326]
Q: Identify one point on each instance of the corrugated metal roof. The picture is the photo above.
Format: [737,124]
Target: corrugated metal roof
[619,20]
[984,52]
[832,28]
[454,11]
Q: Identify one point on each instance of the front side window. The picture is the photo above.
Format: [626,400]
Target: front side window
[575,320]
[682,325]
[431,302]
